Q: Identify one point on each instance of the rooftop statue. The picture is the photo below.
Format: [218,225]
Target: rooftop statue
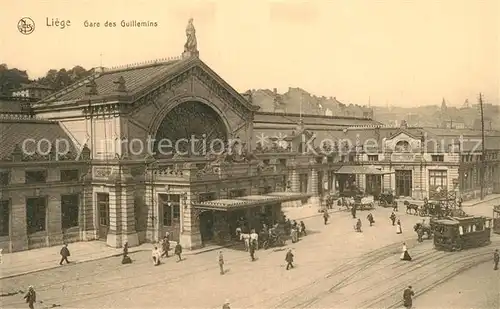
[191,45]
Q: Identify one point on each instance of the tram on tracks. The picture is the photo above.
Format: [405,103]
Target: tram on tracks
[496,219]
[457,233]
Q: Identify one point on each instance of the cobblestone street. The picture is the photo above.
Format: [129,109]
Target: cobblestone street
[327,256]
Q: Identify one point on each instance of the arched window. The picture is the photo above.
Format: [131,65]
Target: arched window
[402,146]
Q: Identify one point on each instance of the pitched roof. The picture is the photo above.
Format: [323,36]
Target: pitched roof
[135,79]
[15,131]
[139,81]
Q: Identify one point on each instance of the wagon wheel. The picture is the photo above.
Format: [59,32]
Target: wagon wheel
[421,213]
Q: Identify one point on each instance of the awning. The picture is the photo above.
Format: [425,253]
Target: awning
[361,169]
[250,201]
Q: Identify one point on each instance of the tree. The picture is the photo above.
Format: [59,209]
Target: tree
[11,79]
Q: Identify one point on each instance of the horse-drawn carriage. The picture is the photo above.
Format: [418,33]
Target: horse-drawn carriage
[364,202]
[387,199]
[423,229]
[455,233]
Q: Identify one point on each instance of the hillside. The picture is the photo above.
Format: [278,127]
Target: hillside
[297,100]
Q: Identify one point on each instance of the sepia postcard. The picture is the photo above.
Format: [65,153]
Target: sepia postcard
[250,154]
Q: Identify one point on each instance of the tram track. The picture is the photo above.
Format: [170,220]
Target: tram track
[426,263]
[386,290]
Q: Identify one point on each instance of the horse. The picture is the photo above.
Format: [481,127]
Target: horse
[410,207]
[422,229]
[347,202]
[245,237]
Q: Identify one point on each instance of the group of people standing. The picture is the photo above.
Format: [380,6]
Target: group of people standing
[158,253]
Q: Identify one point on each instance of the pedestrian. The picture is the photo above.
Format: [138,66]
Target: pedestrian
[496,258]
[358,225]
[325,216]
[64,254]
[126,259]
[221,262]
[370,219]
[399,230]
[165,246]
[30,297]
[252,250]
[395,206]
[155,254]
[393,218]
[353,211]
[226,305]
[407,297]
[178,251]
[405,256]
[289,259]
[303,227]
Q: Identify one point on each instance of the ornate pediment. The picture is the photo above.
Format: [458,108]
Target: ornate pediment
[195,69]
[402,142]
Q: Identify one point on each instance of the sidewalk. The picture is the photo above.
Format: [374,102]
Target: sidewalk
[36,260]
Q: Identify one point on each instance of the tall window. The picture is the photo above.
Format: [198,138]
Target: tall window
[171,208]
[303,183]
[36,214]
[4,178]
[438,183]
[35,176]
[4,217]
[69,210]
[103,205]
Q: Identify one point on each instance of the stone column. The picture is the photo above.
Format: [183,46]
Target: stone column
[190,237]
[295,180]
[121,209]
[87,227]
[54,222]
[314,200]
[18,233]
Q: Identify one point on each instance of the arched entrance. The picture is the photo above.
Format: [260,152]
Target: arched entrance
[191,128]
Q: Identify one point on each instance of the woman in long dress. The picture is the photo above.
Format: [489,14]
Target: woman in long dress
[405,256]
[399,230]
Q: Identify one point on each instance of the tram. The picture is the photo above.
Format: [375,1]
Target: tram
[496,219]
[457,233]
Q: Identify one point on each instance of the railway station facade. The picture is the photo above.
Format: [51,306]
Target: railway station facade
[84,163]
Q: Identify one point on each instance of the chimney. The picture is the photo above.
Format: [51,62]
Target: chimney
[275,90]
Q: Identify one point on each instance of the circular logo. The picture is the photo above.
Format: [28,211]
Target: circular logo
[26,25]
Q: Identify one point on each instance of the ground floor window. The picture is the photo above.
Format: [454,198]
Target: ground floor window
[373,184]
[171,208]
[69,210]
[4,217]
[36,214]
[303,179]
[438,183]
[103,205]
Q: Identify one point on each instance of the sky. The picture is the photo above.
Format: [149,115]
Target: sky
[392,52]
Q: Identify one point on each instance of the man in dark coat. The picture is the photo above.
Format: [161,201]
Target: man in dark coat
[407,297]
[325,216]
[252,247]
[353,211]
[289,259]
[30,297]
[64,254]
[393,218]
[370,219]
[126,259]
[178,251]
[496,258]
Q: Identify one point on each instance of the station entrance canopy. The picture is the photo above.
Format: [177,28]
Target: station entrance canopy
[250,201]
[360,170]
